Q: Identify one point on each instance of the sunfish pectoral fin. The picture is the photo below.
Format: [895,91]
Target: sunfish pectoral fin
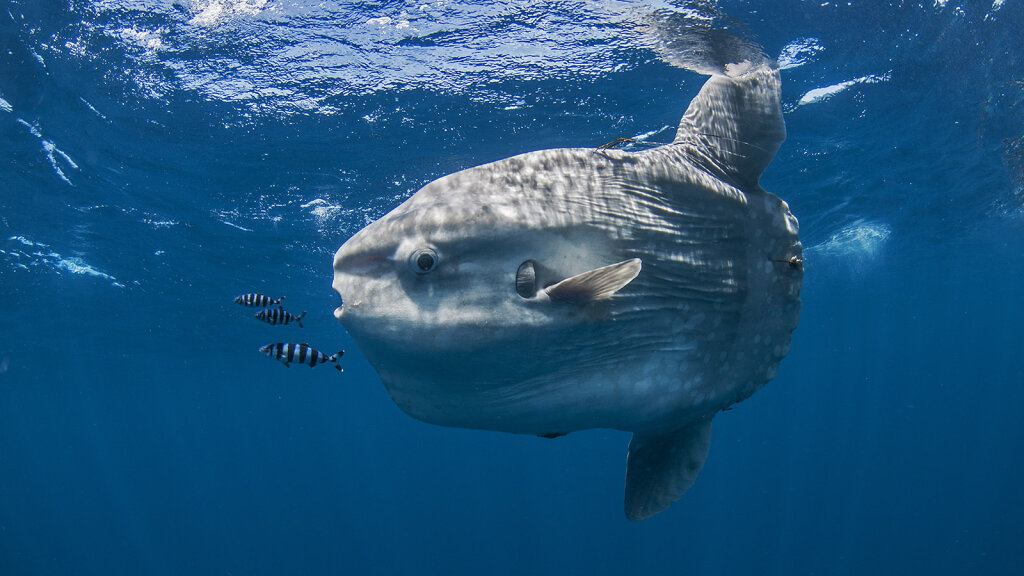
[660,468]
[597,284]
[736,122]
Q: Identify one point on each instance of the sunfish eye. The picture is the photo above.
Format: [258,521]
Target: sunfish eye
[423,260]
[526,280]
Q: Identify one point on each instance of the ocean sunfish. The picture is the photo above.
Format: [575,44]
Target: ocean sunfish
[567,289]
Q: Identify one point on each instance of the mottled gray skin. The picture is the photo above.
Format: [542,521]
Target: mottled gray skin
[703,326]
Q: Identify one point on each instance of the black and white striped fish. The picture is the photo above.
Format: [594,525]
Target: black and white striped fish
[254,299]
[279,316]
[301,353]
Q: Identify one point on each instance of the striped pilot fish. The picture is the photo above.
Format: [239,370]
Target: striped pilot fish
[301,353]
[254,299]
[279,316]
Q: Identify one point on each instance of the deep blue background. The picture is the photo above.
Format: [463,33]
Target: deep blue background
[140,432]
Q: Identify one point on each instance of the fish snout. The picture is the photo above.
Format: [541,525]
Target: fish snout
[351,271]
[346,306]
[351,264]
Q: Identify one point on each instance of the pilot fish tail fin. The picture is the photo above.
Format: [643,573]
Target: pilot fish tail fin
[334,358]
[736,123]
[299,318]
[661,467]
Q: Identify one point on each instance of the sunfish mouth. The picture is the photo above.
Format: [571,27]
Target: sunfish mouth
[350,305]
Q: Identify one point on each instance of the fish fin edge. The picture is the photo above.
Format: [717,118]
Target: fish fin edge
[598,284]
[736,123]
[660,468]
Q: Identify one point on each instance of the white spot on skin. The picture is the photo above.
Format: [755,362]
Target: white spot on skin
[695,321]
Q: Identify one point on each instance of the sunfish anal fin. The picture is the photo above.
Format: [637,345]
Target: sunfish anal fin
[597,284]
[660,468]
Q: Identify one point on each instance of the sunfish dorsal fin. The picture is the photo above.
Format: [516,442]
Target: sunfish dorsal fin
[736,122]
[597,284]
[660,468]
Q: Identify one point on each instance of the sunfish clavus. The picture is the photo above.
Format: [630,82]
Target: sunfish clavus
[567,289]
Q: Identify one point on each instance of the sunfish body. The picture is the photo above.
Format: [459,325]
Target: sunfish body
[568,289]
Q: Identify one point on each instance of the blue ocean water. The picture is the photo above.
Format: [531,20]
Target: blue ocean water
[159,157]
